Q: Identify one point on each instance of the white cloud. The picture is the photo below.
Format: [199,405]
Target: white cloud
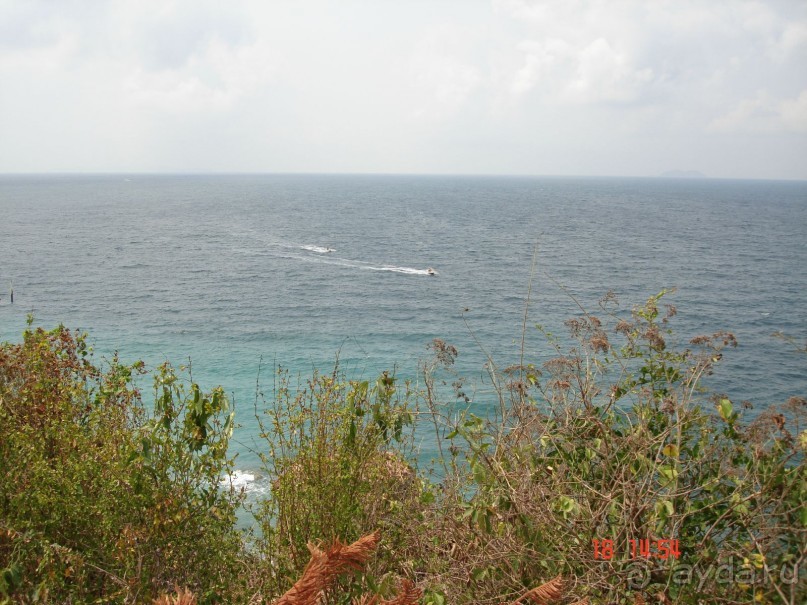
[213,77]
[441,77]
[749,115]
[794,113]
[463,85]
[792,42]
[764,114]
[603,74]
[593,73]
[544,63]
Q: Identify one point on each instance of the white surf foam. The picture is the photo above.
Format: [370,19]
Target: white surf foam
[242,478]
[249,481]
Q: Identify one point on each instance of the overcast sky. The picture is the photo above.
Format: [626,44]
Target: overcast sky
[550,87]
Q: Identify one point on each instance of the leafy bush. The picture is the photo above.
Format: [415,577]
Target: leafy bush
[609,466]
[606,446]
[99,497]
[336,456]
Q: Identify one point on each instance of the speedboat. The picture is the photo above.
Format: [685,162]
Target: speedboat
[431,271]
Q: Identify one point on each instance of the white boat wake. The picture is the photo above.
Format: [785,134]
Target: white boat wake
[318,249]
[323,255]
[404,270]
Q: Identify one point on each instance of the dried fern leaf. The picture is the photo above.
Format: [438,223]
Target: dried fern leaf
[325,565]
[545,593]
[408,594]
[314,580]
[354,556]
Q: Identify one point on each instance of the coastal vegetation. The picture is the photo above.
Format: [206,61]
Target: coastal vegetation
[605,474]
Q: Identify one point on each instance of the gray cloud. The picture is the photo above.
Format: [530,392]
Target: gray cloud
[510,86]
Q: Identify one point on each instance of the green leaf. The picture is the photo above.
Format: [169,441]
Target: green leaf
[725,408]
[567,506]
[664,509]
[479,472]
[12,577]
[668,474]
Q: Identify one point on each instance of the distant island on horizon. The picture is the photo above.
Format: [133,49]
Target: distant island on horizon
[683,174]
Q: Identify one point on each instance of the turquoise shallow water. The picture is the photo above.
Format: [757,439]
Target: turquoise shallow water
[229,270]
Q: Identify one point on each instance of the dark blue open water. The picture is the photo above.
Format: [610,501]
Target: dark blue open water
[229,269]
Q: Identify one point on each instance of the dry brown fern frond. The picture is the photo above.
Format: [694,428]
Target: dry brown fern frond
[408,594]
[183,596]
[545,593]
[314,580]
[353,556]
[325,566]
[639,600]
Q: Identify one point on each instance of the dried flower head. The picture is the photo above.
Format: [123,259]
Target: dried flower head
[599,342]
[794,403]
[560,365]
[445,353]
[623,327]
[654,338]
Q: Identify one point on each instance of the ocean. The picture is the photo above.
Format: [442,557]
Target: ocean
[241,274]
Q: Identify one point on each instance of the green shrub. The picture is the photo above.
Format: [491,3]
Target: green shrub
[99,497]
[336,456]
[619,443]
[612,442]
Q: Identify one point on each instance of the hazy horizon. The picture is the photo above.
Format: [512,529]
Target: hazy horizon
[702,177]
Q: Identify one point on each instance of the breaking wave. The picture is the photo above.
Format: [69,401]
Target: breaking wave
[252,483]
